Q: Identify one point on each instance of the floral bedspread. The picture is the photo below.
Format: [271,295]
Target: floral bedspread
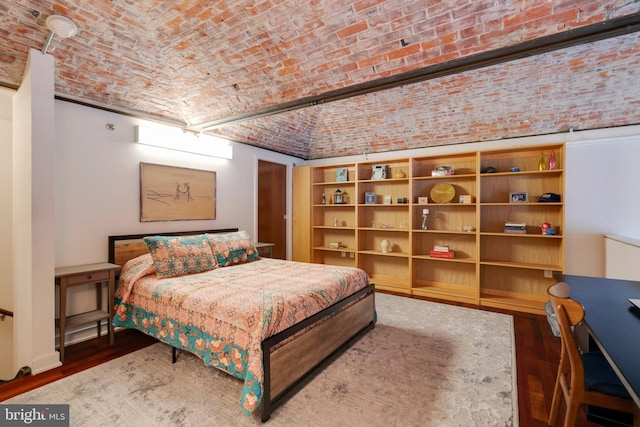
[223,315]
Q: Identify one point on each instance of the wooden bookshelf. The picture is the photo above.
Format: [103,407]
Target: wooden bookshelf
[491,268]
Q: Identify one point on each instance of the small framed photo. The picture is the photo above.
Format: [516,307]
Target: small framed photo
[423,200]
[518,197]
[370,198]
[388,199]
[379,172]
[466,198]
[342,174]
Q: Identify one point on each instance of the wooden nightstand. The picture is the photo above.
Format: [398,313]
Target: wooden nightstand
[79,275]
[264,249]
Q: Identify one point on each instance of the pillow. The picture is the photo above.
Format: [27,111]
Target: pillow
[233,248]
[180,255]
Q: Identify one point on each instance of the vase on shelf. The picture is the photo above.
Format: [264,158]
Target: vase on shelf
[385,245]
[542,164]
[552,161]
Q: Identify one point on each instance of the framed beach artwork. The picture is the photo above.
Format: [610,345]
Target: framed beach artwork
[171,193]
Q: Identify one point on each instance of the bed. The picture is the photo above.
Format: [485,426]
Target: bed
[272,323]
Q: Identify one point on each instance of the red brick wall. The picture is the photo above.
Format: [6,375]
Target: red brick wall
[586,87]
[196,61]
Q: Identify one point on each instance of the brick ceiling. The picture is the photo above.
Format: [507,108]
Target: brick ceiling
[245,66]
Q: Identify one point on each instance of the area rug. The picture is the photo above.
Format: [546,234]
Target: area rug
[424,364]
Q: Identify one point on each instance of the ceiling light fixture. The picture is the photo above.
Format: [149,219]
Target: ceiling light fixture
[60,26]
[179,140]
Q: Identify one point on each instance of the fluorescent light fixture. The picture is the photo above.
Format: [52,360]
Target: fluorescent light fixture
[178,140]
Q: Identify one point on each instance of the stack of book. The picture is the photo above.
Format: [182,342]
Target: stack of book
[336,245]
[440,251]
[515,227]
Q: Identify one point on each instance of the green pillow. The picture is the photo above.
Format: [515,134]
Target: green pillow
[233,248]
[180,255]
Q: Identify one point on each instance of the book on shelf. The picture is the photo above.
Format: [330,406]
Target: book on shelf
[512,227]
[336,245]
[442,254]
[441,248]
[515,224]
[515,230]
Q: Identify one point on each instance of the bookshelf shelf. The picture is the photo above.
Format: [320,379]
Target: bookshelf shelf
[490,268]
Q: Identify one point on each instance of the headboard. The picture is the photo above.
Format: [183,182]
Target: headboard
[128,246]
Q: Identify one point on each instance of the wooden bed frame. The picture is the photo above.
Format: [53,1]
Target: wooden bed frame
[289,366]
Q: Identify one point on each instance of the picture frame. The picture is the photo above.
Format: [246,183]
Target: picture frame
[172,193]
[342,174]
[466,198]
[370,198]
[379,172]
[518,197]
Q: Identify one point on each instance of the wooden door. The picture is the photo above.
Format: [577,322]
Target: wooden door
[272,206]
[301,212]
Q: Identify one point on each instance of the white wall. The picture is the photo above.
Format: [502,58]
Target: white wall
[97,187]
[6,251]
[98,183]
[602,196]
[33,156]
[601,187]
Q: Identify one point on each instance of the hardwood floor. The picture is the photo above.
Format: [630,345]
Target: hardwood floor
[79,357]
[537,354]
[537,358]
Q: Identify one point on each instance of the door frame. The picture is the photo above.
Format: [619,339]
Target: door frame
[288,207]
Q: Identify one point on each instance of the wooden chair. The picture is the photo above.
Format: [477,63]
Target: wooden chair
[583,379]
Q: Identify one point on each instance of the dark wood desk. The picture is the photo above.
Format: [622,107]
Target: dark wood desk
[613,324]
